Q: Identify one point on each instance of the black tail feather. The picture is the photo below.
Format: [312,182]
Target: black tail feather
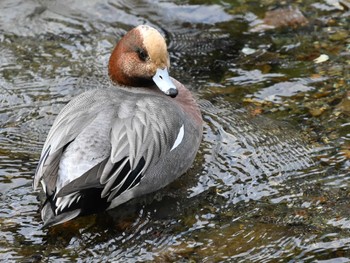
[90,202]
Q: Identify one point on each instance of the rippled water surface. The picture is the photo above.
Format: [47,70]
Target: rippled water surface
[271,180]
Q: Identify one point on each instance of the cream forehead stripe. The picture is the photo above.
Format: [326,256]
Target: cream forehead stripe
[155,44]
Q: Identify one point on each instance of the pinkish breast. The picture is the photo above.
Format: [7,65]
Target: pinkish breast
[187,102]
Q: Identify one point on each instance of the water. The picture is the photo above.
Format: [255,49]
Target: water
[271,180]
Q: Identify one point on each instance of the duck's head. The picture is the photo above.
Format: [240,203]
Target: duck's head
[141,59]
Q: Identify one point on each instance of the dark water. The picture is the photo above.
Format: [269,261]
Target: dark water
[271,180]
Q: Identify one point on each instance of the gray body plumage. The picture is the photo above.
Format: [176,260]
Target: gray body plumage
[120,142]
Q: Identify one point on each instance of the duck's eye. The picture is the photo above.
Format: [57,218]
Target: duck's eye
[142,54]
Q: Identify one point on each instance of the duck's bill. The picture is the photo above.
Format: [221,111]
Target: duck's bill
[164,83]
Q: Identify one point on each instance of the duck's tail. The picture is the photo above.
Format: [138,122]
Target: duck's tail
[50,219]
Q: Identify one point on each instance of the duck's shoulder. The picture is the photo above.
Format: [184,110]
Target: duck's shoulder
[117,103]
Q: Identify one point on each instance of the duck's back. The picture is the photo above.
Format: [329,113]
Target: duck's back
[110,145]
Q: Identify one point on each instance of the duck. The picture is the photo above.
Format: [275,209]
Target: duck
[112,144]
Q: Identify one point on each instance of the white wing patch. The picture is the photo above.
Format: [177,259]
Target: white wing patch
[179,137]
[66,201]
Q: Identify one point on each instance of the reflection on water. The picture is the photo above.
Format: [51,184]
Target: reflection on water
[271,180]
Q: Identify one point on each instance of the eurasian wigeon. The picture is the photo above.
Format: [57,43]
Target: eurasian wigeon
[110,145]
